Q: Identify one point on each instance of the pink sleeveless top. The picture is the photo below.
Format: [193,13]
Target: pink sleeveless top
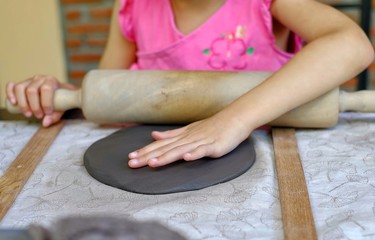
[238,36]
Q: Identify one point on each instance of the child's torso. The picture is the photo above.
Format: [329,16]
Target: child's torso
[237,36]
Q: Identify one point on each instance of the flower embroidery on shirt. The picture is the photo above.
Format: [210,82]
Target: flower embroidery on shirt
[229,51]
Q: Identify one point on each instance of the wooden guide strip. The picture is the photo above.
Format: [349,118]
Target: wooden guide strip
[20,170]
[296,211]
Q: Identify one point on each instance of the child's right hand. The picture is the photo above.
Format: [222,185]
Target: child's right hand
[34,96]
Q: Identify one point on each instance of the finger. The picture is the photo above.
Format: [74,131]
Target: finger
[166,136]
[135,163]
[46,94]
[33,96]
[157,135]
[10,93]
[51,119]
[149,148]
[140,157]
[22,103]
[172,155]
[206,150]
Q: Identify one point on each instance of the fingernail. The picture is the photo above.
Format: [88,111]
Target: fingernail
[12,100]
[186,156]
[133,162]
[28,114]
[39,115]
[133,155]
[47,121]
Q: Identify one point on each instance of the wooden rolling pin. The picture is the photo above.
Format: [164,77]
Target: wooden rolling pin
[165,97]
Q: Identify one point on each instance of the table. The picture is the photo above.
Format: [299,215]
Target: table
[339,165]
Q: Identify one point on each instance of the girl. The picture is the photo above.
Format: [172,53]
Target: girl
[222,35]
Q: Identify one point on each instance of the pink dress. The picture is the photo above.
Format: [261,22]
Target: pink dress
[238,36]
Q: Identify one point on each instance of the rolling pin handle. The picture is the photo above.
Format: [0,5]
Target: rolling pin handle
[63,100]
[361,101]
[67,99]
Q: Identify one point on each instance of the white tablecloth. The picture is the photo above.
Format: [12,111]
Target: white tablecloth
[339,165]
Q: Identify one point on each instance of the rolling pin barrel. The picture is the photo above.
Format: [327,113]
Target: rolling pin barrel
[171,97]
[162,97]
[361,101]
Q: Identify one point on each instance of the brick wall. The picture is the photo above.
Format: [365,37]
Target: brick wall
[86,25]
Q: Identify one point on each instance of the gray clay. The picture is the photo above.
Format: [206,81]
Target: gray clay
[106,160]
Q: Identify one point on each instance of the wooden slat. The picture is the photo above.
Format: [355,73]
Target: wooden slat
[20,170]
[297,216]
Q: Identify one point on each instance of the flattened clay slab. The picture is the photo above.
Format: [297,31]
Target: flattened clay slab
[106,160]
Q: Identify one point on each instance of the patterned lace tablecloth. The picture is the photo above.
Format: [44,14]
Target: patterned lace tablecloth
[339,165]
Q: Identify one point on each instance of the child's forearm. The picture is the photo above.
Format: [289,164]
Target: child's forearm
[322,65]
[119,52]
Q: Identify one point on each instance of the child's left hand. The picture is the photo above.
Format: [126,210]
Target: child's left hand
[212,137]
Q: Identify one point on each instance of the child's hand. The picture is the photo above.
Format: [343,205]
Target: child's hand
[212,137]
[34,96]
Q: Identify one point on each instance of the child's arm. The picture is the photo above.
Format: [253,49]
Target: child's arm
[119,52]
[34,96]
[337,50]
